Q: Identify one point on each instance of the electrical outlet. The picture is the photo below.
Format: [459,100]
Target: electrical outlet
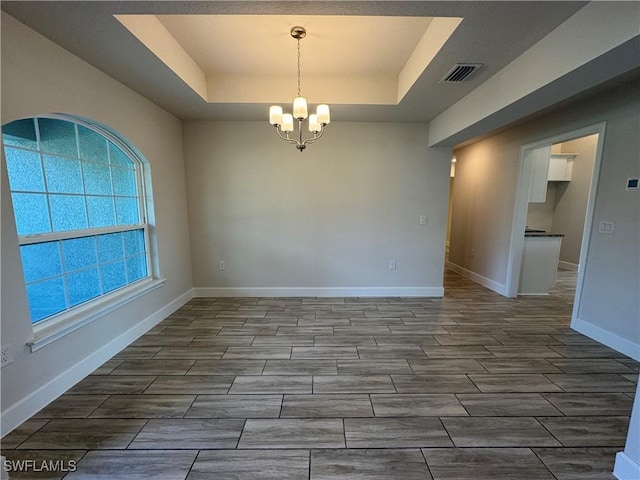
[392,264]
[607,227]
[222,265]
[6,356]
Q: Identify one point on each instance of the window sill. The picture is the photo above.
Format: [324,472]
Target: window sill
[57,327]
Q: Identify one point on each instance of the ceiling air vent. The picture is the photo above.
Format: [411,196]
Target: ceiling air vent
[460,72]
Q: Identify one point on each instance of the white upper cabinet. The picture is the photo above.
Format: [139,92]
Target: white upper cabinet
[547,167]
[539,161]
[560,167]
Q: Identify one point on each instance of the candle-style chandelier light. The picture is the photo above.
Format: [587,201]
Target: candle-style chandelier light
[284,122]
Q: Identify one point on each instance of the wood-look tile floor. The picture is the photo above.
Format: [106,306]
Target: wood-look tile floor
[469,386]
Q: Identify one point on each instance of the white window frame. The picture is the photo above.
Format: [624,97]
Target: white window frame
[58,325]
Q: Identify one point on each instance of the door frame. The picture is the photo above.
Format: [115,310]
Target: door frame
[516,243]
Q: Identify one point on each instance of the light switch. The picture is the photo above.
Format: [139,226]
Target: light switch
[423,219]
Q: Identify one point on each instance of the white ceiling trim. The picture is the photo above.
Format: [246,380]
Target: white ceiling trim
[150,32]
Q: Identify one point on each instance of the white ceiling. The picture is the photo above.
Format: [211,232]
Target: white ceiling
[358,40]
[253,58]
[262,45]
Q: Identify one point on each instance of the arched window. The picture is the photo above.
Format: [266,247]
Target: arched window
[78,200]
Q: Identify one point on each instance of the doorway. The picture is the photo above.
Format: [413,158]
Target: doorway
[554,211]
[564,208]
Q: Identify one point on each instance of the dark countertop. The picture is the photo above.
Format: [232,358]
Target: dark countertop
[542,234]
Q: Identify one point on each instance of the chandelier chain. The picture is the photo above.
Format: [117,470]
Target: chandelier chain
[284,122]
[298,67]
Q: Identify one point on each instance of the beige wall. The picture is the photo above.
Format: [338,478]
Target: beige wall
[38,77]
[571,197]
[327,220]
[451,182]
[483,208]
[486,174]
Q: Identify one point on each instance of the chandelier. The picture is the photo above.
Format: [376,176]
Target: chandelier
[284,122]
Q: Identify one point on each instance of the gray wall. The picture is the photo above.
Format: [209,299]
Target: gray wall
[328,219]
[610,300]
[486,175]
[38,77]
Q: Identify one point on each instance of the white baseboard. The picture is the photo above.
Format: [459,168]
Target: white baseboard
[40,398]
[572,267]
[319,291]
[484,281]
[625,468]
[607,338]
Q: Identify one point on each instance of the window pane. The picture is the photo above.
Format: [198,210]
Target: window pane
[127,211]
[93,147]
[136,267]
[68,212]
[46,298]
[101,212]
[67,179]
[58,136]
[21,133]
[40,260]
[110,247]
[97,178]
[83,285]
[31,212]
[79,253]
[113,275]
[118,157]
[63,175]
[24,170]
[124,182]
[134,242]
